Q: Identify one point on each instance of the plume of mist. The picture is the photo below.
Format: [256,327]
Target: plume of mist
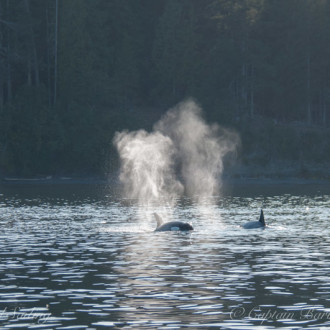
[147,167]
[200,148]
[183,154]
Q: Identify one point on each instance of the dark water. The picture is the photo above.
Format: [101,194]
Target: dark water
[79,257]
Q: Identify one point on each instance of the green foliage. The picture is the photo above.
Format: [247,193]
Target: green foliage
[30,138]
[260,66]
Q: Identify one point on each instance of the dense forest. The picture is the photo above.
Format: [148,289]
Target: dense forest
[72,72]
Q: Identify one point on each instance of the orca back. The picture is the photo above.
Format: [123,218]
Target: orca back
[172,225]
[253,225]
[256,224]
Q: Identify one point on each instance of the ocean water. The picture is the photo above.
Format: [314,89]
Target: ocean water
[82,257]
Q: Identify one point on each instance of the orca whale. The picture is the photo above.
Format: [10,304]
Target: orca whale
[172,225]
[256,224]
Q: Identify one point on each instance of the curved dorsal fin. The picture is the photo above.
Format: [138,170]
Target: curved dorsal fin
[158,219]
[262,219]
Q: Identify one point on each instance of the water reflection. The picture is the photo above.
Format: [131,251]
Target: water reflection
[82,258]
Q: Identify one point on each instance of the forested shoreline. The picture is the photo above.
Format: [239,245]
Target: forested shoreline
[73,72]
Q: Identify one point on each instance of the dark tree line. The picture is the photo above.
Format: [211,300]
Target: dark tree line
[72,72]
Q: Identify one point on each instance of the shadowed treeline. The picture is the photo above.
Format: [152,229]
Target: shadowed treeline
[73,72]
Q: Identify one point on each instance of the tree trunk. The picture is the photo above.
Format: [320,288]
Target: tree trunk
[324,108]
[309,106]
[55,58]
[29,70]
[8,61]
[2,74]
[1,89]
[48,58]
[9,82]
[252,92]
[33,47]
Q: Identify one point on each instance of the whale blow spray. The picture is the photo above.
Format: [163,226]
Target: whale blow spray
[183,154]
[147,167]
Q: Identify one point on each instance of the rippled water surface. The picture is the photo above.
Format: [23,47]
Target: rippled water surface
[80,257]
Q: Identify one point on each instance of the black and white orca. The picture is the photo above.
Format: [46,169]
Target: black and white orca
[256,224]
[172,225]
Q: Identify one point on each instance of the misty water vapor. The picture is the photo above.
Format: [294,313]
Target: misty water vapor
[182,155]
[147,170]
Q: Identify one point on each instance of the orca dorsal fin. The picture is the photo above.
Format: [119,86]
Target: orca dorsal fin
[158,219]
[262,219]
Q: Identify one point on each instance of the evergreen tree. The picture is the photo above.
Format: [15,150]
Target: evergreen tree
[118,64]
[175,52]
